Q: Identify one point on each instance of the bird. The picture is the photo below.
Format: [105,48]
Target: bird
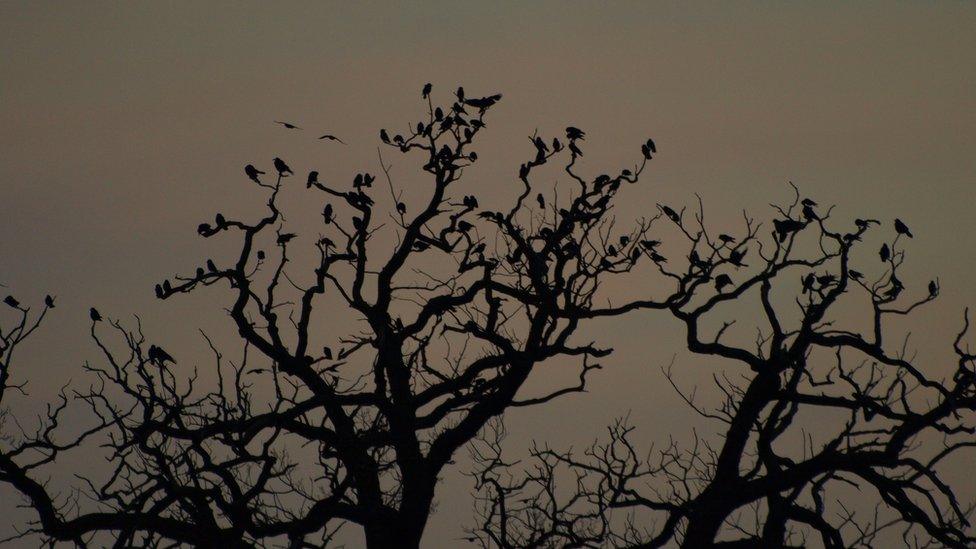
[650,244]
[901,228]
[313,178]
[808,202]
[384,137]
[726,239]
[574,133]
[211,265]
[282,168]
[483,103]
[884,252]
[721,281]
[327,213]
[809,214]
[735,257]
[541,200]
[159,291]
[260,255]
[287,125]
[933,288]
[253,173]
[401,208]
[786,227]
[49,301]
[856,275]
[327,353]
[864,223]
[285,237]
[672,215]
[808,282]
[94,315]
[826,280]
[460,93]
[426,91]
[159,356]
[331,137]
[12,301]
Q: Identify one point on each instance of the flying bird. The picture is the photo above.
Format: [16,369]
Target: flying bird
[901,228]
[94,315]
[288,125]
[282,168]
[331,137]
[253,173]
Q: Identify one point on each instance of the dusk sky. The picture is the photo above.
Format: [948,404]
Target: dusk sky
[124,125]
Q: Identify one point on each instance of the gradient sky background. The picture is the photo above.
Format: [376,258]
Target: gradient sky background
[122,126]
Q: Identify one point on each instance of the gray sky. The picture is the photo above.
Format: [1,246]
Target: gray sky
[123,126]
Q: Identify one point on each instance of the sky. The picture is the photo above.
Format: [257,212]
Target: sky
[124,125]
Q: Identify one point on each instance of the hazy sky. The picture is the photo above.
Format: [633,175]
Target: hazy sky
[123,126]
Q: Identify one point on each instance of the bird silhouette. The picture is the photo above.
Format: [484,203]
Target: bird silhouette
[331,137]
[284,238]
[159,291]
[808,281]
[327,213]
[541,200]
[49,301]
[401,208]
[426,91]
[933,288]
[313,178]
[384,137]
[721,281]
[809,214]
[483,103]
[287,125]
[327,353]
[726,239]
[808,202]
[261,255]
[864,223]
[901,228]
[884,252]
[211,266]
[460,93]
[735,257]
[855,274]
[159,356]
[12,302]
[94,315]
[464,226]
[253,173]
[785,227]
[574,133]
[672,215]
[282,168]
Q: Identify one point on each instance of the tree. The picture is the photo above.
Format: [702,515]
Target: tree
[356,433]
[822,405]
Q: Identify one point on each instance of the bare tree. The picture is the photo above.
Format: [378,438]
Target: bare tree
[823,405]
[300,434]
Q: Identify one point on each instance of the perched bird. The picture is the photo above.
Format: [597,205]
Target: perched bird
[650,244]
[167,287]
[12,301]
[327,353]
[808,281]
[785,227]
[826,280]
[464,226]
[483,103]
[253,173]
[49,301]
[159,356]
[672,215]
[721,281]
[574,133]
[384,137]
[313,178]
[856,275]
[658,258]
[327,213]
[541,200]
[901,228]
[94,315]
[331,137]
[203,228]
[200,272]
[808,202]
[933,288]
[282,168]
[735,257]
[726,239]
[426,91]
[884,252]
[809,214]
[287,125]
[460,93]
[260,255]
[401,208]
[285,237]
[159,291]
[211,265]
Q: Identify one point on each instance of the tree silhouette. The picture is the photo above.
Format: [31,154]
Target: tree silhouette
[455,307]
[822,406]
